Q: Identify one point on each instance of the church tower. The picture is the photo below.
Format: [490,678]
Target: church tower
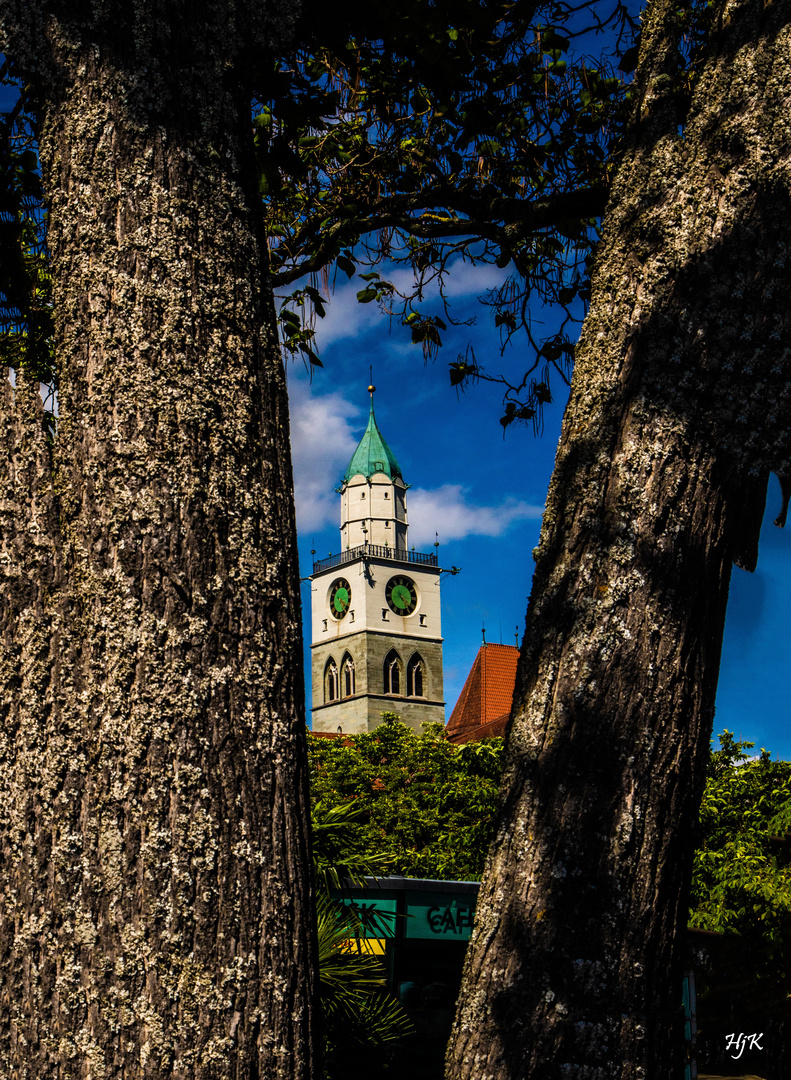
[376,636]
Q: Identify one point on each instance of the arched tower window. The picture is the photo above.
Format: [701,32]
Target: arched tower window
[347,674]
[392,673]
[415,676]
[331,687]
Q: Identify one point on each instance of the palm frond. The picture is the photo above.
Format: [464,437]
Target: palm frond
[352,985]
[337,852]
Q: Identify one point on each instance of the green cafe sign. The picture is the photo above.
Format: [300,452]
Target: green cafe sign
[377,917]
[439,916]
[430,916]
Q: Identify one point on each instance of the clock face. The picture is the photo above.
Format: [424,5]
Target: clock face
[401,595]
[340,597]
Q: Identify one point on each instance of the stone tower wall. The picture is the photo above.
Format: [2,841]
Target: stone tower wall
[362,712]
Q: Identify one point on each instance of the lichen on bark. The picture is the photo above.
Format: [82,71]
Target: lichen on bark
[679,409]
[155,884]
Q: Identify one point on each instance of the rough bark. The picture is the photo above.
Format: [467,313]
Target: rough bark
[680,406]
[155,892]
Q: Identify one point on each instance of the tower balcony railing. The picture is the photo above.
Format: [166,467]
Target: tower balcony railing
[375,551]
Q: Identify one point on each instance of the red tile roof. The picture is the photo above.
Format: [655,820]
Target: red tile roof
[346,739]
[484,703]
[484,731]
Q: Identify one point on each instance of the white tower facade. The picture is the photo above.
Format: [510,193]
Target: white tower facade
[376,638]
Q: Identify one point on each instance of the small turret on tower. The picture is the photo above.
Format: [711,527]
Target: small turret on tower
[373,493]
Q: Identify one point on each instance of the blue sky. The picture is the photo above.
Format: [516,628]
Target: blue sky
[484,495]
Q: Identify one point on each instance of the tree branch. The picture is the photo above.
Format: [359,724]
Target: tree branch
[505,220]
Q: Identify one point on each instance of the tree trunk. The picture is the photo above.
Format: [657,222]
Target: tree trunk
[680,406]
[156,915]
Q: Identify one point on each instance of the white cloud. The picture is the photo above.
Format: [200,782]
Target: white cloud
[446,510]
[468,280]
[322,444]
[347,318]
[462,279]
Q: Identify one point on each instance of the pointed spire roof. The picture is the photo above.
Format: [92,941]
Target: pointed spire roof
[372,455]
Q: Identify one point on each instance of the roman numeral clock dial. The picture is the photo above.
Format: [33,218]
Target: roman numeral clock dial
[401,595]
[340,597]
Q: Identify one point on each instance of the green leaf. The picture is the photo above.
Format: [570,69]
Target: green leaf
[629,60]
[551,41]
[28,160]
[346,264]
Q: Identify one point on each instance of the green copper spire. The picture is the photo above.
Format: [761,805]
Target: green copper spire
[372,455]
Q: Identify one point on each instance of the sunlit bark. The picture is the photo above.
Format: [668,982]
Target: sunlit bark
[155,916]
